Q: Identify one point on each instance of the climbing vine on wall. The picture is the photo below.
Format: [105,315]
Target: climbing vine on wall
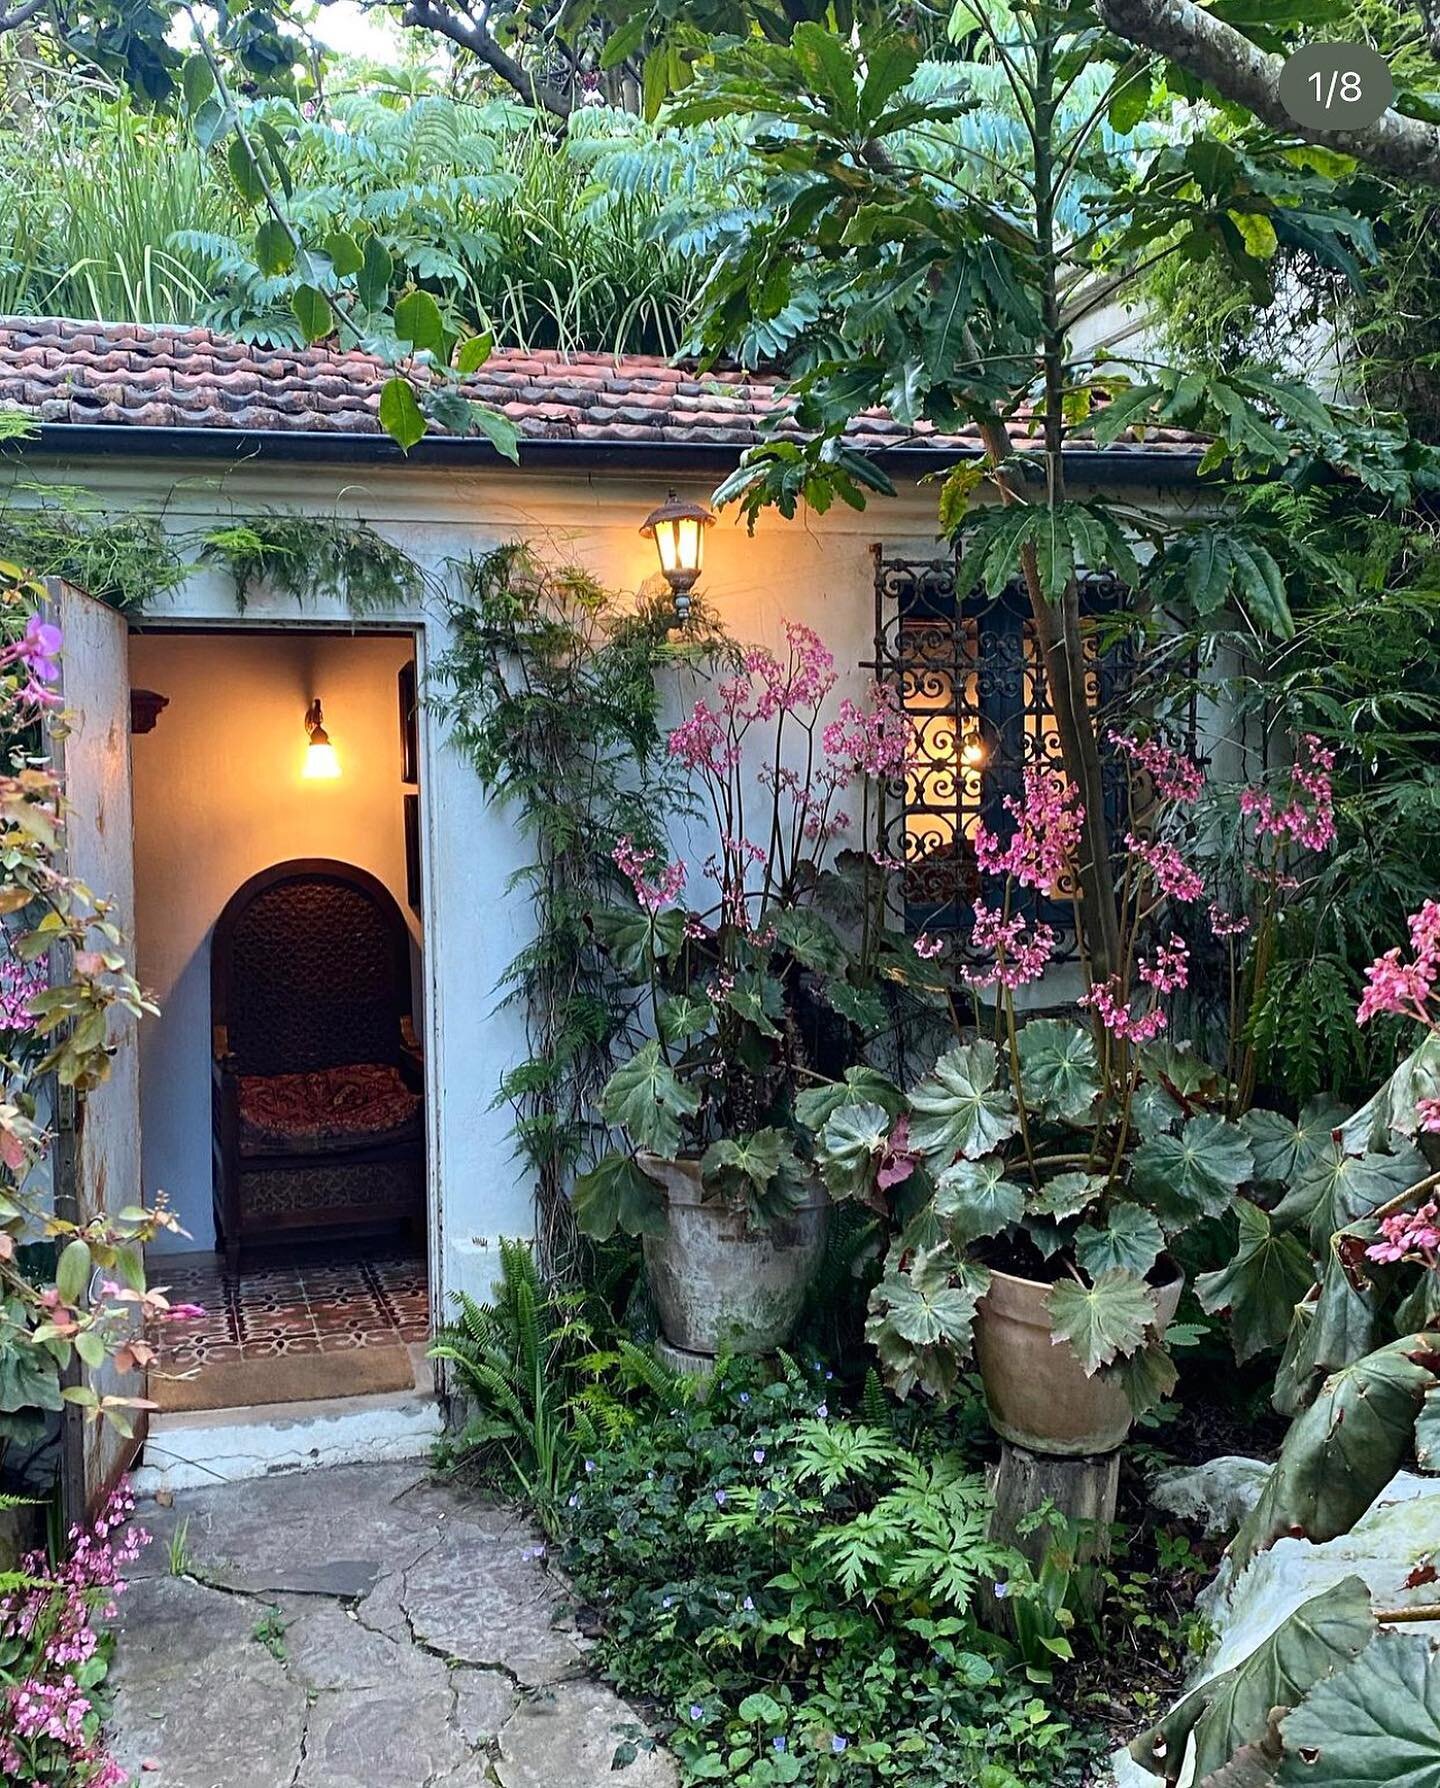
[311,556]
[550,687]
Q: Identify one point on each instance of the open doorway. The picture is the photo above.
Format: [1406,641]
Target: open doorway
[280,928]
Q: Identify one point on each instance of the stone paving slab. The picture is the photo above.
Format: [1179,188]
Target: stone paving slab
[360,1627]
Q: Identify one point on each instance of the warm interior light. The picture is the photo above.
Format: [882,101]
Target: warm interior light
[321,763]
[678,530]
[973,754]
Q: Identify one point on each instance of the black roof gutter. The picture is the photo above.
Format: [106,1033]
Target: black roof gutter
[1170,467]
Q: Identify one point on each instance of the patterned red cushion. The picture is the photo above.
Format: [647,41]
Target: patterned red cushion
[321,1113]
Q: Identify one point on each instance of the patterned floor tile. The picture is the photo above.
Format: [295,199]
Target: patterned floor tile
[331,1303]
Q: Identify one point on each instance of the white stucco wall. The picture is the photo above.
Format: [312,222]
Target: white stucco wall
[813,569]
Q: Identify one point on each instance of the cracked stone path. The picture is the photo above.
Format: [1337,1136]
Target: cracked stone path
[359,1627]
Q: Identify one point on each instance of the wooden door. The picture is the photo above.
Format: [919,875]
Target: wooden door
[97,1144]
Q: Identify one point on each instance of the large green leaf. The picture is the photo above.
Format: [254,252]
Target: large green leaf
[1066,1195]
[418,321]
[1346,1314]
[1195,1174]
[975,1199]
[1260,1287]
[1102,1321]
[1337,1188]
[1233,1709]
[617,1194]
[1059,1070]
[958,1110]
[810,940]
[1128,1240]
[758,999]
[313,313]
[628,935]
[1344,1449]
[760,1170]
[1394,1107]
[1284,1147]
[860,1086]
[680,1017]
[849,1148]
[922,1320]
[1373,1724]
[646,1098]
[400,414]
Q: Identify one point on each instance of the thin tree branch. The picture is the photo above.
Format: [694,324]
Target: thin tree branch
[21,15]
[461,29]
[1239,71]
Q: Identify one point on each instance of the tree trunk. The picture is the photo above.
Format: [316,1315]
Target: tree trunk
[1082,1490]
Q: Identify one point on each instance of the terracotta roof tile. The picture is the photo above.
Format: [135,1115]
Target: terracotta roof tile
[120,374]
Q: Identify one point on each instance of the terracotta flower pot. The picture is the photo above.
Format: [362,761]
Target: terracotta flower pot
[719,1286]
[1035,1388]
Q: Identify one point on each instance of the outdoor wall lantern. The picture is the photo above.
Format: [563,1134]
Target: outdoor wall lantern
[321,763]
[678,530]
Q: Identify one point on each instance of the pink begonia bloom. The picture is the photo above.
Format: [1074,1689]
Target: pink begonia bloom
[1168,970]
[1048,817]
[1427,1111]
[927,948]
[634,863]
[1176,776]
[1223,924]
[876,741]
[820,831]
[1308,821]
[1018,959]
[1410,1235]
[703,742]
[802,683]
[1173,875]
[60,1612]
[19,983]
[1113,1012]
[1403,989]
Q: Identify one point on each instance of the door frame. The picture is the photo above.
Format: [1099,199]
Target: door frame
[416,631]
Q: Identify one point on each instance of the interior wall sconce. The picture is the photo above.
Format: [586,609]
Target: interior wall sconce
[321,763]
[974,753]
[678,529]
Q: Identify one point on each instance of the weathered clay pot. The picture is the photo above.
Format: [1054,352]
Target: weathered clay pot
[1035,1388]
[720,1287]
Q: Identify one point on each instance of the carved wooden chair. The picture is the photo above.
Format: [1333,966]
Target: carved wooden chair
[317,1090]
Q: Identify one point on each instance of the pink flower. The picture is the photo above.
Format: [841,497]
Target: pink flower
[1176,776]
[802,683]
[1048,817]
[634,863]
[703,742]
[1308,818]
[1428,1112]
[1410,1235]
[1223,924]
[1168,970]
[1173,875]
[1018,959]
[876,741]
[1115,1014]
[927,948]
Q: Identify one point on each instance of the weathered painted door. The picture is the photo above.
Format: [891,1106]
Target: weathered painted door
[97,1147]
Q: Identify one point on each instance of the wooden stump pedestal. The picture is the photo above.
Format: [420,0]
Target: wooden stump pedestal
[1083,1490]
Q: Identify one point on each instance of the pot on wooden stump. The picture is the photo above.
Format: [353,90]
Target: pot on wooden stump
[1060,1430]
[720,1284]
[1036,1391]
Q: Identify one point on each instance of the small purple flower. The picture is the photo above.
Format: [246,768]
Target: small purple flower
[828,1377]
[823,1411]
[744,1396]
[574,1499]
[838,1744]
[779,1743]
[719,1499]
[748,1605]
[696,1711]
[758,1455]
[1001,1591]
[589,1467]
